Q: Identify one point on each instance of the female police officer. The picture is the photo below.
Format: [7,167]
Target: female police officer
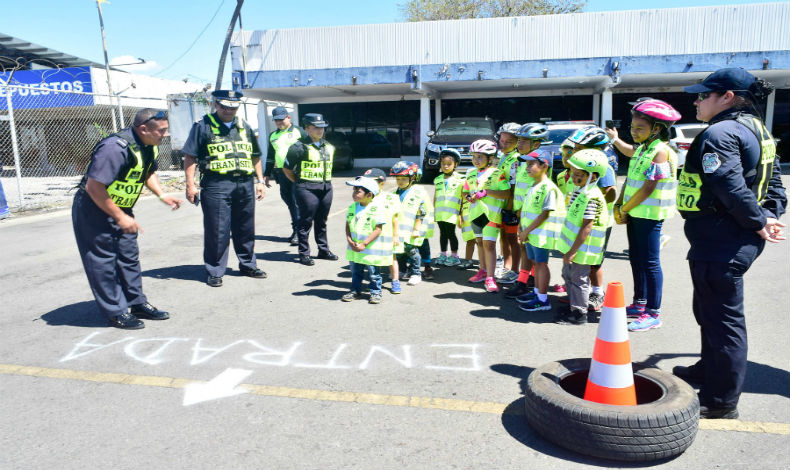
[731,196]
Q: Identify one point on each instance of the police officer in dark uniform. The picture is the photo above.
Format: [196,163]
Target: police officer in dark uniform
[308,164]
[279,142]
[731,196]
[225,149]
[104,224]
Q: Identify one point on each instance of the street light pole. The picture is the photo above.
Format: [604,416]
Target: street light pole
[107,65]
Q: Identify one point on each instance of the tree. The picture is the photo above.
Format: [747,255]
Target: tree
[430,10]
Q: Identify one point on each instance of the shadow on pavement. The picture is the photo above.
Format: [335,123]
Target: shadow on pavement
[84,314]
[186,272]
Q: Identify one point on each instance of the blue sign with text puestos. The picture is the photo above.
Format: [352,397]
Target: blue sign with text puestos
[49,88]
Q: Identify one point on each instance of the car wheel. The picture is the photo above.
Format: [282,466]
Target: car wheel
[663,424]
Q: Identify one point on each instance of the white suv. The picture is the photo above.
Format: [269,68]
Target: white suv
[680,137]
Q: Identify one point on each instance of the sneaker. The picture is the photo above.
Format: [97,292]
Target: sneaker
[479,277]
[644,323]
[375,299]
[403,276]
[558,288]
[441,260]
[465,264]
[595,302]
[635,310]
[414,279]
[663,241]
[515,290]
[428,272]
[528,297]
[452,260]
[531,282]
[535,305]
[351,296]
[571,318]
[508,277]
[396,289]
[491,285]
[500,263]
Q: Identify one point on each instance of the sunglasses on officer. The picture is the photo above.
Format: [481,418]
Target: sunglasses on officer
[158,116]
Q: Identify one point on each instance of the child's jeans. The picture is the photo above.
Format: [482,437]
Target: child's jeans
[358,275]
[410,255]
[577,283]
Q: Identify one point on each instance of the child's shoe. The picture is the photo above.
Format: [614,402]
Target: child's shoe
[440,260]
[491,285]
[427,273]
[375,299]
[350,296]
[396,289]
[635,310]
[528,297]
[535,305]
[558,288]
[645,322]
[595,302]
[452,260]
[465,264]
[415,279]
[479,277]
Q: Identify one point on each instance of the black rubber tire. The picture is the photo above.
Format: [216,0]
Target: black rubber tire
[660,429]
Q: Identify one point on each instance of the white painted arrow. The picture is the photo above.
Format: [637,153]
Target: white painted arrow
[221,386]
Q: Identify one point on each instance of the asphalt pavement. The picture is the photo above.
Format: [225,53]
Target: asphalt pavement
[279,373]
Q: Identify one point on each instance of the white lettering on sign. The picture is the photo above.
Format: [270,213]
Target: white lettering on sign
[460,357]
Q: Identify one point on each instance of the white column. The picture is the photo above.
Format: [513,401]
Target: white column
[606,105]
[263,131]
[769,111]
[596,109]
[425,125]
[295,115]
[437,112]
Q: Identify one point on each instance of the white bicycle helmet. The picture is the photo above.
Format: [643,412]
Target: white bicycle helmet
[483,146]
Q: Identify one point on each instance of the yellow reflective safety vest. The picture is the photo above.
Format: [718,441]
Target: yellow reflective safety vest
[226,154]
[592,249]
[448,197]
[281,141]
[660,204]
[546,234]
[690,195]
[318,165]
[565,183]
[467,233]
[490,178]
[361,224]
[414,204]
[390,205]
[125,190]
[523,183]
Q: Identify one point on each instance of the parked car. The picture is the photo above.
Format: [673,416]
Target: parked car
[344,157]
[680,138]
[558,132]
[457,133]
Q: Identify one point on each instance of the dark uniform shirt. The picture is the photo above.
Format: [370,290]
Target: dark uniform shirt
[297,154]
[726,156]
[271,152]
[200,135]
[112,159]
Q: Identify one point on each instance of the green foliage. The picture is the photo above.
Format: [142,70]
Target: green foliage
[431,10]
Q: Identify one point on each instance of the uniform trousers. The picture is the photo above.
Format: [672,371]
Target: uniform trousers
[109,256]
[313,206]
[718,308]
[287,195]
[228,212]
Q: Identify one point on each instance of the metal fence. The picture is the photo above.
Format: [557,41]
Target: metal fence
[46,144]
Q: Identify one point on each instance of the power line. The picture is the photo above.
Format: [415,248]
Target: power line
[193,42]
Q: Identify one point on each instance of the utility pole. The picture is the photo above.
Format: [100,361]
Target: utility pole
[236,13]
[107,64]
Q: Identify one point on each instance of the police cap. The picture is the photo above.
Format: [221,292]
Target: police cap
[733,79]
[314,119]
[279,113]
[227,98]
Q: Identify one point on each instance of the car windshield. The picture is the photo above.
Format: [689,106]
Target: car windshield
[691,132]
[482,128]
[556,136]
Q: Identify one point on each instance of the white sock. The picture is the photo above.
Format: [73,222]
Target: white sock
[543,297]
[597,290]
[535,289]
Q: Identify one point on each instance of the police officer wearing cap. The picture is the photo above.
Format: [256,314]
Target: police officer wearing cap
[279,143]
[225,149]
[308,164]
[730,195]
[104,224]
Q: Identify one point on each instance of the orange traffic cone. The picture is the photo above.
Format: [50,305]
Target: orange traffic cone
[611,378]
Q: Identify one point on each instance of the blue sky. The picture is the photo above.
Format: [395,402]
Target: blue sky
[160,31]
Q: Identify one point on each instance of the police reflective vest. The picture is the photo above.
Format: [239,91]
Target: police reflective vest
[660,204]
[318,166]
[413,203]
[125,191]
[690,194]
[491,178]
[281,141]
[591,250]
[523,183]
[361,224]
[546,234]
[225,154]
[448,198]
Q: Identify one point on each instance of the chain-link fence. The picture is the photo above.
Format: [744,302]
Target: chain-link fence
[47,135]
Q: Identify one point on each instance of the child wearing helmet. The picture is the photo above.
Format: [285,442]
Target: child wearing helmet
[564,181]
[530,136]
[508,164]
[646,200]
[447,205]
[594,137]
[366,247]
[486,189]
[414,219]
[583,232]
[390,203]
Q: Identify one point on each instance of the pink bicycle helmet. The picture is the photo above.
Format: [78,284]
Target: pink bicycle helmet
[657,110]
[483,146]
